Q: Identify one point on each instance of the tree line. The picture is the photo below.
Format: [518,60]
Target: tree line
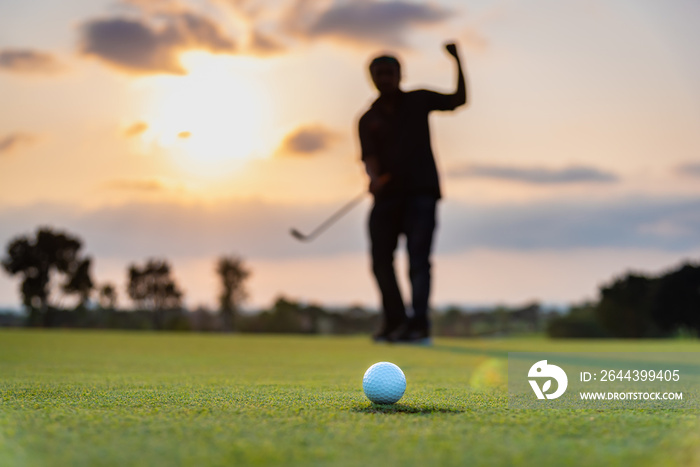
[58,290]
[54,270]
[638,306]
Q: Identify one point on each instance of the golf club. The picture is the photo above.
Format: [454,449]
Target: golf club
[328,222]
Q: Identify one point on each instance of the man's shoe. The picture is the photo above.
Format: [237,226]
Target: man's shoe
[414,336]
[381,337]
[387,333]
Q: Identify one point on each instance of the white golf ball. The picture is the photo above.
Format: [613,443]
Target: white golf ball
[384,383]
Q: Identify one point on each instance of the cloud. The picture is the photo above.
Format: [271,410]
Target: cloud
[472,36]
[374,22]
[28,62]
[260,229]
[307,141]
[184,134]
[139,46]
[135,129]
[11,142]
[474,40]
[154,6]
[146,185]
[691,169]
[536,176]
[264,44]
[139,230]
[636,222]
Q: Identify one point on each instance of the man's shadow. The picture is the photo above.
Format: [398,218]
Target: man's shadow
[424,409]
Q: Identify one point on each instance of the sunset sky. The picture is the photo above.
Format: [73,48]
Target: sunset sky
[192,129]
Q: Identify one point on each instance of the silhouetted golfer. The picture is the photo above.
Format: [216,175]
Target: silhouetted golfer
[395,141]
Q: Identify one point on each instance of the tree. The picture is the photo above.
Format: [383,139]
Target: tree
[80,282]
[233,275]
[108,297]
[284,317]
[152,288]
[677,300]
[625,306]
[38,259]
[579,322]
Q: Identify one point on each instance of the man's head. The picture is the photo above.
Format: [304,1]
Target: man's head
[386,73]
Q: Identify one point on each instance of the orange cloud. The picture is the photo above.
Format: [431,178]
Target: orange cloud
[374,22]
[28,62]
[138,46]
[146,185]
[135,129]
[12,141]
[472,39]
[264,44]
[307,141]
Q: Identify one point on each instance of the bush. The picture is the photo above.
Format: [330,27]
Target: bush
[579,322]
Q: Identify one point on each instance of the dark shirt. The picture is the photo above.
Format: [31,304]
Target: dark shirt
[400,141]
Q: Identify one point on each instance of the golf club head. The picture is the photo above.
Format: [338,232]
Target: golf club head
[298,235]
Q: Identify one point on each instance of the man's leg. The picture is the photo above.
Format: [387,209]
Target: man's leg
[419,226]
[384,229]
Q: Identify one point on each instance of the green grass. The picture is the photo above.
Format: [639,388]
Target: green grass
[109,398]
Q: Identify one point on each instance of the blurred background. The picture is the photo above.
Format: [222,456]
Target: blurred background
[191,132]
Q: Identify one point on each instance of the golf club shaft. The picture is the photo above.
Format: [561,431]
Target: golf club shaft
[337,215]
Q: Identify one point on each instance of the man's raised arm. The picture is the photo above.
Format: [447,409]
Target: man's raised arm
[460,95]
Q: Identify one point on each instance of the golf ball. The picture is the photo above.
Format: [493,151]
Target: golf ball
[384,383]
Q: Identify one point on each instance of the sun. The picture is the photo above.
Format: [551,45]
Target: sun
[214,117]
